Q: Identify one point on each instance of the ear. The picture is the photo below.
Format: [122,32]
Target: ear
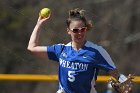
[68,31]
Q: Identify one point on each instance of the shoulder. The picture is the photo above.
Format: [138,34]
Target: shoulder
[93,45]
[68,44]
[61,46]
[55,47]
[98,48]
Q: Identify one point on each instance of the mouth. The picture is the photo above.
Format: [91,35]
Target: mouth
[79,37]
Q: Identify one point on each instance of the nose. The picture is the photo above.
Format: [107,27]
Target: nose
[79,32]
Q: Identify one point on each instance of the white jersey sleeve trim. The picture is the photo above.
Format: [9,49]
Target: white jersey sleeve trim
[103,52]
[69,44]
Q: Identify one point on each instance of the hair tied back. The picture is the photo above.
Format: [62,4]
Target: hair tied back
[76,13]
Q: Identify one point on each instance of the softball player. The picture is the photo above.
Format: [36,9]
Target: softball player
[79,60]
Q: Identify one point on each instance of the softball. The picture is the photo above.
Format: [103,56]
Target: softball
[45,12]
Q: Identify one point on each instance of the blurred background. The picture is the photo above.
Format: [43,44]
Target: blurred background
[116,28]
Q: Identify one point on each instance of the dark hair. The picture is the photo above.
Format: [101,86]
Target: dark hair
[78,14]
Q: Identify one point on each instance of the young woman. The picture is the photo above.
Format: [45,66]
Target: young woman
[79,60]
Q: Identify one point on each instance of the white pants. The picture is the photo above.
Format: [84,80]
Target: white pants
[60,91]
[93,90]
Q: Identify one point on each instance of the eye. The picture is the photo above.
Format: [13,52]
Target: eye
[75,30]
[83,29]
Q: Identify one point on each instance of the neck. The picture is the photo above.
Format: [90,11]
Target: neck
[78,45]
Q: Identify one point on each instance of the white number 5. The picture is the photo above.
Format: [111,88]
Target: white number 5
[71,77]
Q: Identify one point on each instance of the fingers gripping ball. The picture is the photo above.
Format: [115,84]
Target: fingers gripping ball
[45,12]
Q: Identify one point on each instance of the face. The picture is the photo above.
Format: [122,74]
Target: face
[77,31]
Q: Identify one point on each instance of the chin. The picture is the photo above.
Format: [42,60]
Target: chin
[80,40]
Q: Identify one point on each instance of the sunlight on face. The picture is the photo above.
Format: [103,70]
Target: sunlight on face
[78,36]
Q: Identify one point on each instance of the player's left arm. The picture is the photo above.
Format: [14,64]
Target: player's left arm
[122,83]
[114,73]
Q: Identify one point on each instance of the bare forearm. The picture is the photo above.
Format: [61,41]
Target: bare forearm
[34,36]
[33,45]
[114,73]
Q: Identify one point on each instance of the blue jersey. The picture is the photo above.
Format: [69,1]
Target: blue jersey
[78,69]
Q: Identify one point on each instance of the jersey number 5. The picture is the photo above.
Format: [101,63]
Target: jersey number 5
[71,77]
